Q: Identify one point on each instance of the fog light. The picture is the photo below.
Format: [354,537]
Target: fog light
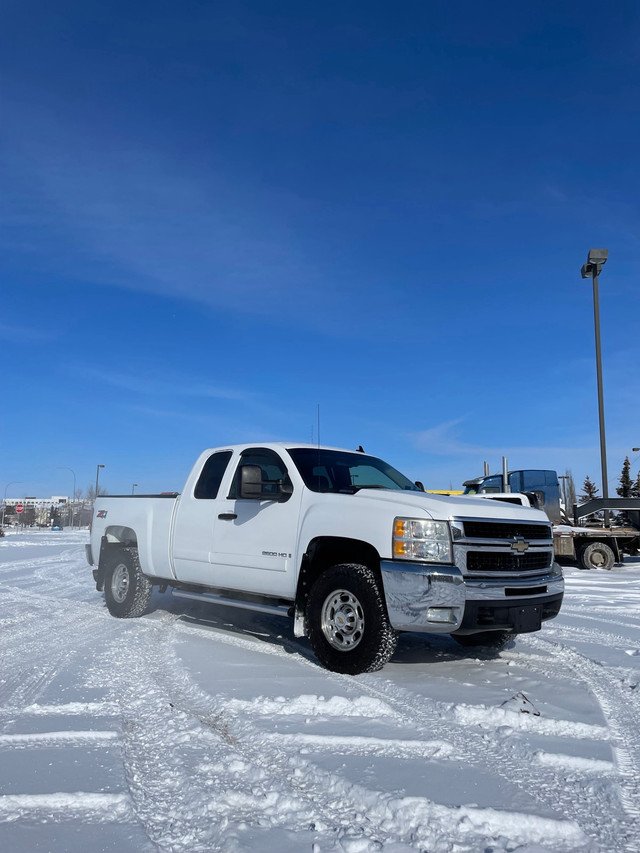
[441,614]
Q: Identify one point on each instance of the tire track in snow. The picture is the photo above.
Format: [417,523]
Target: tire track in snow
[150,791]
[507,757]
[620,703]
[46,634]
[513,762]
[268,781]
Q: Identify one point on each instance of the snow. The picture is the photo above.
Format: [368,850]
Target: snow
[201,728]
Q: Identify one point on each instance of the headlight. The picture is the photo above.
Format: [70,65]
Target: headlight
[417,539]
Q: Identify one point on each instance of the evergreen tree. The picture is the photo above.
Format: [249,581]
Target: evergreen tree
[636,487]
[625,489]
[590,490]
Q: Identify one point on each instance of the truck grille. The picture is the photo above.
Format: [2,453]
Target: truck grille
[505,530]
[490,561]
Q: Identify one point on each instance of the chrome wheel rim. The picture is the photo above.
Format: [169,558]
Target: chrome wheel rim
[120,583]
[342,620]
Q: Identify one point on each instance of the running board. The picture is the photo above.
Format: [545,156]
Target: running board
[272,609]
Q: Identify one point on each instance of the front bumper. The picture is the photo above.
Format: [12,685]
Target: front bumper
[440,599]
[89,554]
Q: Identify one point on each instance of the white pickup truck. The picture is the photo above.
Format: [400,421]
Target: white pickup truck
[340,541]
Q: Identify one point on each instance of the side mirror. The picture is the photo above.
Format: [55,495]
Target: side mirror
[419,485]
[251,482]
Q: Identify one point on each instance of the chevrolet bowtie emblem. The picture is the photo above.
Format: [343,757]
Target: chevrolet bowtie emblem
[520,545]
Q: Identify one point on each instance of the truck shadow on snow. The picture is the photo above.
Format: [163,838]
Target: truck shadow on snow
[277,631]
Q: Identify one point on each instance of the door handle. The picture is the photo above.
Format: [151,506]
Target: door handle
[227,516]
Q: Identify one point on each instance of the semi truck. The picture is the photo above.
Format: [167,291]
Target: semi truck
[339,541]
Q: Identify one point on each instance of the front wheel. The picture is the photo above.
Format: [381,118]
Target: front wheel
[126,590]
[597,555]
[347,621]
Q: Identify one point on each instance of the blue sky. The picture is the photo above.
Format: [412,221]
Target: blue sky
[218,216]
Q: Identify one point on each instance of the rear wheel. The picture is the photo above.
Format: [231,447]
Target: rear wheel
[126,590]
[347,621]
[597,555]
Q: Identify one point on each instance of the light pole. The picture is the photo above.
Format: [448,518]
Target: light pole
[596,259]
[133,488]
[97,478]
[65,468]
[4,499]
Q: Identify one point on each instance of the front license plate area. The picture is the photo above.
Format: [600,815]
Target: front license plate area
[527,619]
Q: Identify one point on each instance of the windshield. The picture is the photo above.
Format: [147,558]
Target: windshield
[341,471]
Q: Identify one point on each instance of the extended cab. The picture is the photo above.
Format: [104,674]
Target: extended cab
[340,541]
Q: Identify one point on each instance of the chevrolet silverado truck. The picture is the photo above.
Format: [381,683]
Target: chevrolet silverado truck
[349,548]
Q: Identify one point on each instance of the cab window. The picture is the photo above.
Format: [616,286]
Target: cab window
[211,476]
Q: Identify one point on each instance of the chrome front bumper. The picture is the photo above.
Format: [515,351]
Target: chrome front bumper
[432,599]
[423,598]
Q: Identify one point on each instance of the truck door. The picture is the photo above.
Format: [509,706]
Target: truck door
[255,538]
[195,521]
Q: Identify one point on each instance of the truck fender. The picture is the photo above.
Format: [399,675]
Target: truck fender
[321,554]
[112,538]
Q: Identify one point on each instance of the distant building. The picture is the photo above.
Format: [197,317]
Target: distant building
[38,503]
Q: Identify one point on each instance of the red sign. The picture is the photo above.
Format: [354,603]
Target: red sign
[19,508]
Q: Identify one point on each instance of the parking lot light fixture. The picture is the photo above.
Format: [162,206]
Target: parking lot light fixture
[596,259]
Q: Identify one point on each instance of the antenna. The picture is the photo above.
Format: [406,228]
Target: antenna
[318,424]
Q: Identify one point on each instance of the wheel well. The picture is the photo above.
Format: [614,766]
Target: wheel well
[120,535]
[321,554]
[113,539]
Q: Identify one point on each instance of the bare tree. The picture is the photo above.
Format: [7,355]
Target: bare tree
[91,492]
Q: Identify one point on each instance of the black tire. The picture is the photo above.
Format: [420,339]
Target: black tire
[597,555]
[490,639]
[347,622]
[126,590]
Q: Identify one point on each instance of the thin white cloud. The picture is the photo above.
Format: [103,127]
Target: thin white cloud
[173,385]
[442,440]
[26,334]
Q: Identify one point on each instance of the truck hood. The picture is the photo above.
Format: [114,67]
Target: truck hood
[442,507]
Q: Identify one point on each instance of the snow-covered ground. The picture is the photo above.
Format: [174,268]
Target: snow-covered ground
[199,729]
